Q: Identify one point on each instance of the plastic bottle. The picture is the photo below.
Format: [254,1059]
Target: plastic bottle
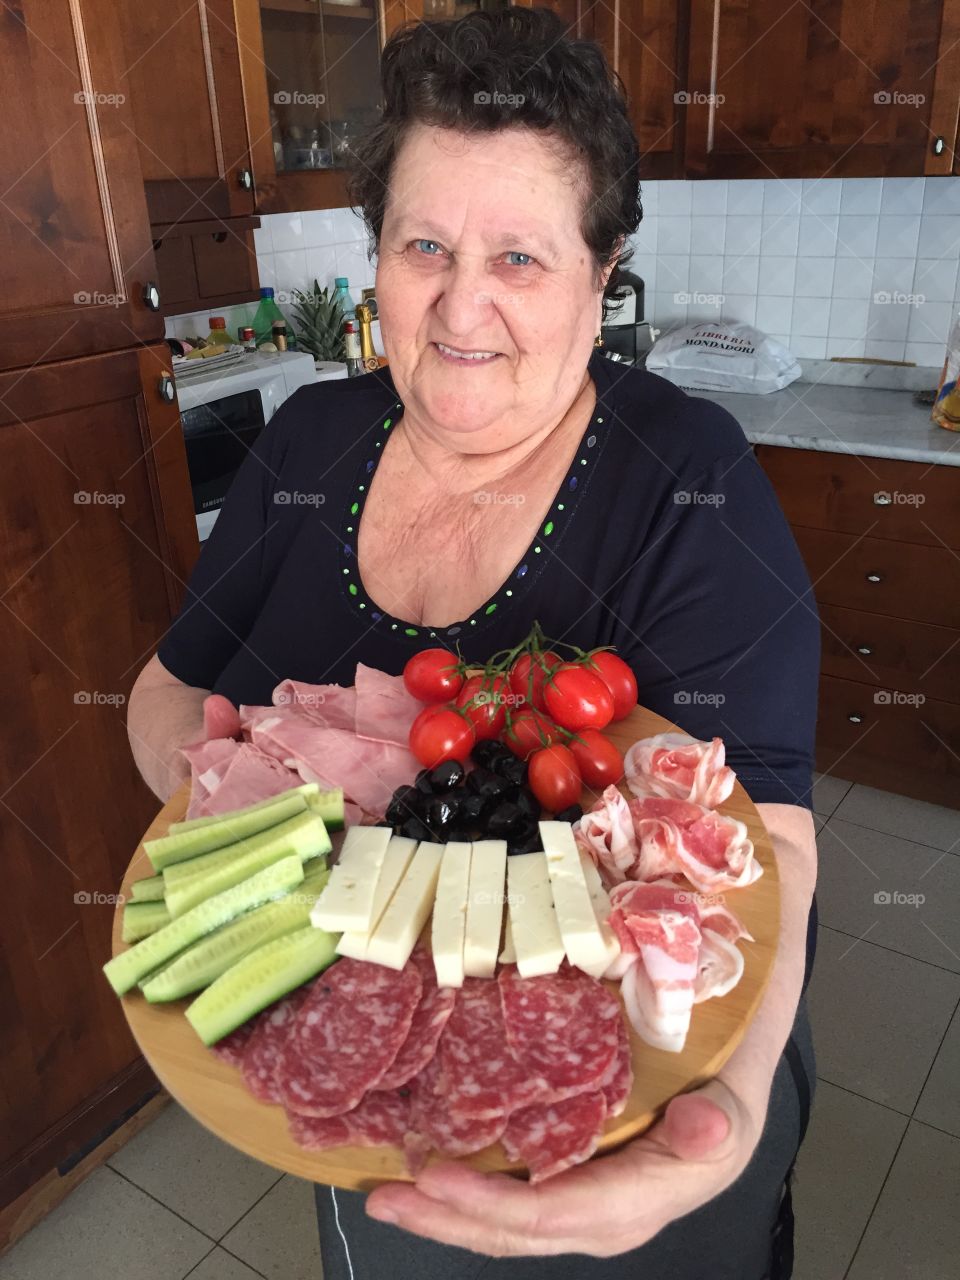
[218,335]
[268,313]
[341,293]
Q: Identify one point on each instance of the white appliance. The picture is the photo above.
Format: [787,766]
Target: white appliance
[223,412]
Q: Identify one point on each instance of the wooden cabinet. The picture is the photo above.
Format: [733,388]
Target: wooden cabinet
[827,88]
[881,541]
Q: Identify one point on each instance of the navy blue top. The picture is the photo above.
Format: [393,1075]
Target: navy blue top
[665,539]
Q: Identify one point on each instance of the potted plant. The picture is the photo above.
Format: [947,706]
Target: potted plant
[319,322]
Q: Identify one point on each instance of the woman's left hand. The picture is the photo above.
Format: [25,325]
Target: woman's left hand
[604,1207]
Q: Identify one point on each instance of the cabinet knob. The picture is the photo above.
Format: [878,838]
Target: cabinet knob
[854,718]
[865,650]
[874,577]
[168,392]
[151,296]
[938,145]
[882,499]
[245,178]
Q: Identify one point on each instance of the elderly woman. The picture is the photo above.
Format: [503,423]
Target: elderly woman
[498,471]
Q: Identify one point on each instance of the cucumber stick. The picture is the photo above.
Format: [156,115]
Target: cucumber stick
[305,835]
[126,969]
[200,964]
[258,979]
[181,845]
[149,889]
[140,919]
[307,790]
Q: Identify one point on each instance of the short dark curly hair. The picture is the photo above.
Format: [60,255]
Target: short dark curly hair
[466,75]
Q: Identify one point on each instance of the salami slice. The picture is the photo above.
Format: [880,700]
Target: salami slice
[265,1046]
[549,1139]
[315,1134]
[346,1035]
[380,1120]
[231,1048]
[434,1127]
[617,1081]
[429,1019]
[563,1028]
[479,1075]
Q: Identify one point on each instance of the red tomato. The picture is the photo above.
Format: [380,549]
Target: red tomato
[439,734]
[578,699]
[554,778]
[488,712]
[433,675]
[529,730]
[528,674]
[600,761]
[618,678]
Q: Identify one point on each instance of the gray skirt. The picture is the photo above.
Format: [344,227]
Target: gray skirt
[746,1233]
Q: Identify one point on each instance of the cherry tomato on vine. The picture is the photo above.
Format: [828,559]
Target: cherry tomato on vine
[618,678]
[527,731]
[433,675]
[578,699]
[488,696]
[529,672]
[441,733]
[554,777]
[599,759]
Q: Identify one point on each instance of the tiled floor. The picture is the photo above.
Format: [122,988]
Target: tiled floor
[878,1182]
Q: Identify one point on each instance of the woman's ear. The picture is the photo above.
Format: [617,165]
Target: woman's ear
[607,270]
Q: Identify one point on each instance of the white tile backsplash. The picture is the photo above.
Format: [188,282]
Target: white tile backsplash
[830,266]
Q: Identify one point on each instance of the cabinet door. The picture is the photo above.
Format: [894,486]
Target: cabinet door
[74,233]
[188,107]
[98,534]
[828,88]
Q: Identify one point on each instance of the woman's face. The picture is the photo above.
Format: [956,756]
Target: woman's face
[481,252]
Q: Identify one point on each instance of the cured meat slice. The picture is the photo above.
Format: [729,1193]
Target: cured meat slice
[606,833]
[231,1048]
[429,1019]
[719,967]
[551,1138]
[479,1075]
[385,710]
[250,775]
[330,706]
[563,1027]
[711,849]
[208,763]
[433,1126]
[678,767]
[265,1046]
[379,1120]
[346,1035]
[618,1080]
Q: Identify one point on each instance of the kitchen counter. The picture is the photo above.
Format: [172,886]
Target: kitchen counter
[861,420]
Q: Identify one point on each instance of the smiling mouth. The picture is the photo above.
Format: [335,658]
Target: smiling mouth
[457,356]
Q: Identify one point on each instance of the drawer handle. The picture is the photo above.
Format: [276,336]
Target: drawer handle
[245,179]
[855,719]
[151,296]
[939,143]
[874,577]
[168,392]
[865,650]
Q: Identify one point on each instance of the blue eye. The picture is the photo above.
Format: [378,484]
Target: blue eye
[434,246]
[515,253]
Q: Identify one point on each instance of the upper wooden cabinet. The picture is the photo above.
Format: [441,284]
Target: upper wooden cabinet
[74,236]
[188,109]
[827,88]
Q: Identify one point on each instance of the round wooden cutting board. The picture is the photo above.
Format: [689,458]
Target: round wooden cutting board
[214,1094]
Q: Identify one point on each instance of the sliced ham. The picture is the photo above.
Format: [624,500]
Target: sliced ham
[675,766]
[208,763]
[330,706]
[250,775]
[384,709]
[606,833]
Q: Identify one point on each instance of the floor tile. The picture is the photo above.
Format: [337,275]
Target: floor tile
[878,1018]
[849,1148]
[189,1170]
[220,1265]
[278,1237]
[106,1230]
[913,1232]
[827,793]
[900,816]
[891,891]
[939,1103]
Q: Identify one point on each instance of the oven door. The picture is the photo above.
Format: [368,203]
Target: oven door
[218,434]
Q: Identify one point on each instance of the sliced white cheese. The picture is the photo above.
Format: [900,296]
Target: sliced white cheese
[533,920]
[347,901]
[395,862]
[396,935]
[450,914]
[509,953]
[584,943]
[601,907]
[481,946]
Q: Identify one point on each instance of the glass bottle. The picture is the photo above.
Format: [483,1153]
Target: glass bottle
[218,336]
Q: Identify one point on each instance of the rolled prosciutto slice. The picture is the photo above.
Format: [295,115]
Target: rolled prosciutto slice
[675,766]
[607,834]
[711,849]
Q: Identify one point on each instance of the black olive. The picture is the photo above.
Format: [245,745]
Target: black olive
[405,803]
[415,829]
[527,802]
[488,750]
[504,821]
[458,833]
[441,812]
[572,813]
[512,768]
[524,844]
[446,776]
[471,808]
[486,784]
[422,782]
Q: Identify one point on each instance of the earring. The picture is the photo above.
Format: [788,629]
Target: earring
[598,341]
